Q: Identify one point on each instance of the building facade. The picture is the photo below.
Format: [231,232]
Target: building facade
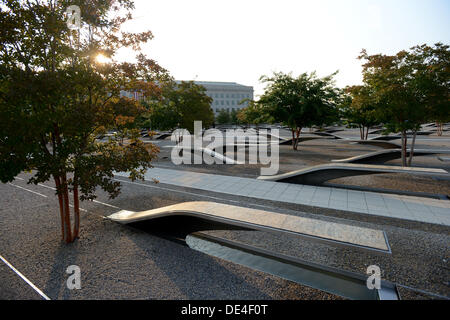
[227,95]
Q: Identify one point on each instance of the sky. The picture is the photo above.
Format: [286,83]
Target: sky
[239,41]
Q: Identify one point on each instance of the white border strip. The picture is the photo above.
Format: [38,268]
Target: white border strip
[25,279]
[105,204]
[40,194]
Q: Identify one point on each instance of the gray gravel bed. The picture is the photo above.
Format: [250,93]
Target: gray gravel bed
[119,262]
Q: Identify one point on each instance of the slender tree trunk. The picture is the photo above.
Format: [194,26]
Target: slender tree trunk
[293,139]
[440,128]
[404,148]
[411,152]
[65,194]
[299,130]
[61,206]
[361,132]
[76,210]
[367,133]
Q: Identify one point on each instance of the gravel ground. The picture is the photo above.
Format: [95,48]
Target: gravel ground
[12,287]
[118,262]
[126,262]
[318,152]
[122,262]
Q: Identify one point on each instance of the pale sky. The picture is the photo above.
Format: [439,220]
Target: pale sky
[238,41]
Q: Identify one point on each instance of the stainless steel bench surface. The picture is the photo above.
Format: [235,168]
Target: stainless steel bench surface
[312,229]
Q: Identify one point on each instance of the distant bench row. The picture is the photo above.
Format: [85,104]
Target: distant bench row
[317,175]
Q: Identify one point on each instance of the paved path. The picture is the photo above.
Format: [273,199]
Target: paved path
[379,204]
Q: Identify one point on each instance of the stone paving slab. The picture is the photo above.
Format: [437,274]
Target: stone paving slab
[379,204]
[268,221]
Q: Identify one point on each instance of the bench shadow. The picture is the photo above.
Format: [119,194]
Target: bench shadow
[175,229]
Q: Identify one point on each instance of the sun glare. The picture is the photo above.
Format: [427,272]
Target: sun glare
[100,58]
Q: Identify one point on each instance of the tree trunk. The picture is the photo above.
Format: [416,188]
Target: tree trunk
[293,140]
[65,196]
[61,206]
[361,135]
[299,130]
[367,133]
[440,128]
[295,137]
[404,148]
[411,152]
[76,211]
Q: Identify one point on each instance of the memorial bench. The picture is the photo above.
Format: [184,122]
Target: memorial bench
[317,175]
[377,143]
[302,139]
[199,151]
[387,155]
[311,229]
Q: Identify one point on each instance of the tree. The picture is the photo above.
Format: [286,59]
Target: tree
[359,109]
[161,112]
[55,98]
[233,117]
[179,106]
[410,89]
[223,117]
[193,104]
[431,67]
[300,102]
[254,113]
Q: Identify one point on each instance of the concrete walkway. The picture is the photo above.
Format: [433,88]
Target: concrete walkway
[379,204]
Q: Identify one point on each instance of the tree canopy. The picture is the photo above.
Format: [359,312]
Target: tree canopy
[359,108]
[179,105]
[56,98]
[300,102]
[410,88]
[223,117]
[254,113]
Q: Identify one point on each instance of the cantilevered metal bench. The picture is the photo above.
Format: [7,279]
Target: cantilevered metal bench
[378,143]
[303,139]
[317,175]
[385,138]
[200,151]
[378,131]
[333,130]
[326,134]
[310,229]
[395,137]
[387,155]
[163,136]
